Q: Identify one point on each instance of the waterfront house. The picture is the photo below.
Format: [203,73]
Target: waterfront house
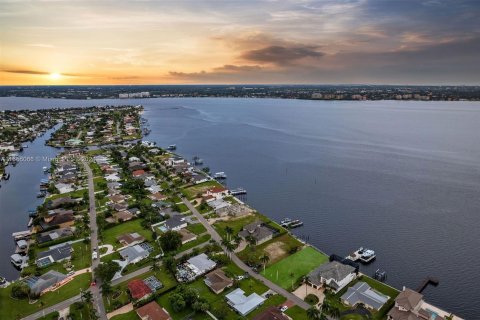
[60,219]
[362,293]
[217,281]
[410,305]
[199,178]
[333,275]
[218,192]
[138,289]
[56,234]
[64,187]
[243,304]
[153,311]
[56,254]
[257,231]
[59,202]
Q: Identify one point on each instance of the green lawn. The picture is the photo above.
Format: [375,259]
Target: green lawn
[132,315]
[194,243]
[237,224]
[109,236]
[298,264]
[296,313]
[285,242]
[191,192]
[51,316]
[196,228]
[275,300]
[12,309]
[81,257]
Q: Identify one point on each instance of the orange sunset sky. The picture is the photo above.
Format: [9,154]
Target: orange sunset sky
[171,42]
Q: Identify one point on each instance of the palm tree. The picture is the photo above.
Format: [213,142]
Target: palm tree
[87,296]
[107,289]
[229,231]
[313,313]
[265,258]
[326,307]
[155,266]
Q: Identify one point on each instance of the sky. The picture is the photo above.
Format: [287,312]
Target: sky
[230,42]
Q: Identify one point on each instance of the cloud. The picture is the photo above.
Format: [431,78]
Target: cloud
[41,45]
[234,68]
[281,55]
[23,71]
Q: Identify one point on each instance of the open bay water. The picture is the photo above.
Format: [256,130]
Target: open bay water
[401,178]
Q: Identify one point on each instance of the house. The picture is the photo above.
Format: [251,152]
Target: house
[136,253]
[136,165]
[138,173]
[64,187]
[55,234]
[362,293]
[117,198]
[130,239]
[218,192]
[257,231]
[409,305]
[194,267]
[157,196]
[58,202]
[62,219]
[175,223]
[219,205]
[243,304]
[138,289]
[271,313]
[153,311]
[217,281]
[114,185]
[112,177]
[199,178]
[57,254]
[45,282]
[334,275]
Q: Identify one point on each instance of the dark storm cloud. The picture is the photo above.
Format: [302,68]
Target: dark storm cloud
[281,55]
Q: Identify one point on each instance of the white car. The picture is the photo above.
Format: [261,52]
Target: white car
[283,308]
[94,255]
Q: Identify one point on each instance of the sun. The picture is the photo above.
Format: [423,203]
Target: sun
[55,76]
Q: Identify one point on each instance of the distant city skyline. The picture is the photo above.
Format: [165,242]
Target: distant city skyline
[217,42]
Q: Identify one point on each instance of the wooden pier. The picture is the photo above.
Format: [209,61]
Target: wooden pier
[433,281]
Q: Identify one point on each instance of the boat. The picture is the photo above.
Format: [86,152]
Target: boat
[197,160]
[6,176]
[172,147]
[367,255]
[45,169]
[238,191]
[285,222]
[220,175]
[41,194]
[295,224]
[32,213]
[25,146]
[17,260]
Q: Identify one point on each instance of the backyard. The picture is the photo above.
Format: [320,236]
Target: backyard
[289,270]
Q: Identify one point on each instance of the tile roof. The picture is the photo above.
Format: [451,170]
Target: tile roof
[138,289]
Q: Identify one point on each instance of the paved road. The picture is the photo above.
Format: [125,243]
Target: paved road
[97,296]
[302,304]
[57,307]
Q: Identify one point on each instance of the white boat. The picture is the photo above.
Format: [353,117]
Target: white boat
[285,222]
[45,169]
[172,147]
[220,175]
[367,254]
[17,260]
[25,146]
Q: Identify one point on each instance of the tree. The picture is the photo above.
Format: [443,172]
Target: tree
[170,240]
[229,232]
[330,309]
[155,266]
[107,270]
[107,290]
[201,305]
[20,290]
[86,296]
[313,313]
[170,263]
[177,302]
[265,258]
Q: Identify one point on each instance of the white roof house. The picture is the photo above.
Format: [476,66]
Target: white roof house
[201,264]
[243,304]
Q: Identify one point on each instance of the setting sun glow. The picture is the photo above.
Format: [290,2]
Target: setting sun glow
[55,76]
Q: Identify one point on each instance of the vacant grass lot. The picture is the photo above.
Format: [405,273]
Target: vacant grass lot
[13,309]
[277,249]
[191,192]
[110,235]
[291,269]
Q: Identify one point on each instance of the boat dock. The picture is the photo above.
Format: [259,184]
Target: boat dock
[433,281]
[290,224]
[238,191]
[363,255]
[21,235]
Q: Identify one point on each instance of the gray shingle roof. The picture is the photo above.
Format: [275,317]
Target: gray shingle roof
[332,270]
[361,292]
